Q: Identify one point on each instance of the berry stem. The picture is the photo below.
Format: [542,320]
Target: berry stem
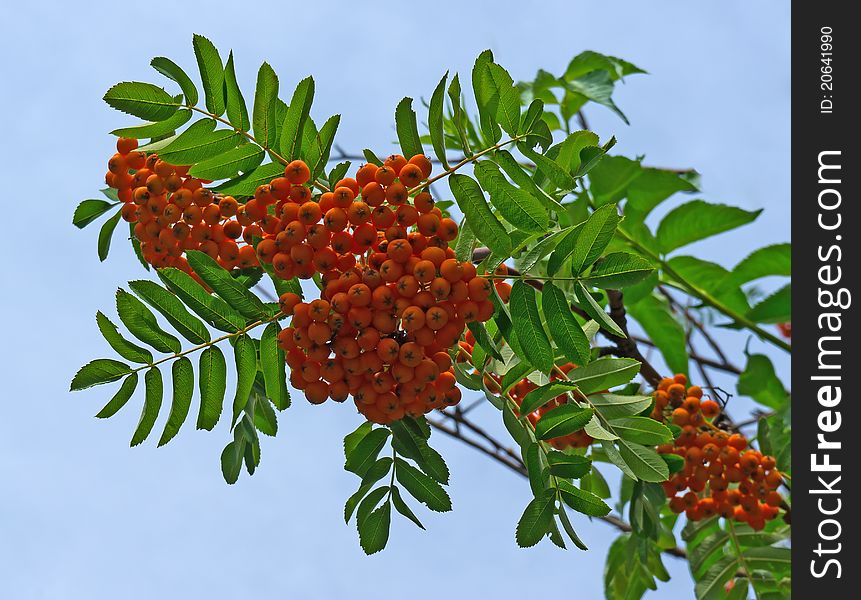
[217,340]
[738,552]
[463,163]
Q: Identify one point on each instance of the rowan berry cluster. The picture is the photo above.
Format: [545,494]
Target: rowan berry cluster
[174,212]
[721,474]
[394,297]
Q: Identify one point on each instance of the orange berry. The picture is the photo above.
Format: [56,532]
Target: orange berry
[297,172]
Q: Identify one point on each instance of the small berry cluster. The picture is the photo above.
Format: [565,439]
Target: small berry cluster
[174,212]
[721,474]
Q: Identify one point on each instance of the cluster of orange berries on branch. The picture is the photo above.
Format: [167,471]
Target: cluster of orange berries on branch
[394,297]
[721,474]
[173,212]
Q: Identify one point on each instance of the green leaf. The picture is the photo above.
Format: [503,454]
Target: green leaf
[564,247]
[141,322]
[127,388]
[711,585]
[501,97]
[173,71]
[321,147]
[211,309]
[697,220]
[213,384]
[272,364]
[105,234]
[515,374]
[230,290]
[531,257]
[412,444]
[482,221]
[657,320]
[264,417]
[198,143]
[486,115]
[594,310]
[366,451]
[152,404]
[237,112]
[123,347]
[407,128]
[583,501]
[142,100]
[544,394]
[377,471]
[458,114]
[352,439]
[183,388]
[90,210]
[642,430]
[609,180]
[436,121]
[245,357]
[604,373]
[613,406]
[246,184]
[760,382]
[517,206]
[710,277]
[211,73]
[402,508]
[549,168]
[263,111]
[597,86]
[524,180]
[536,469]
[652,187]
[645,463]
[776,308]
[594,236]
[569,529]
[156,129]
[295,118]
[422,487]
[528,327]
[562,420]
[566,330]
[483,339]
[535,522]
[770,260]
[99,371]
[231,461]
[374,530]
[172,309]
[465,242]
[231,163]
[618,270]
[569,466]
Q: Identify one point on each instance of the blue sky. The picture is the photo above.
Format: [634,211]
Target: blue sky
[84,516]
